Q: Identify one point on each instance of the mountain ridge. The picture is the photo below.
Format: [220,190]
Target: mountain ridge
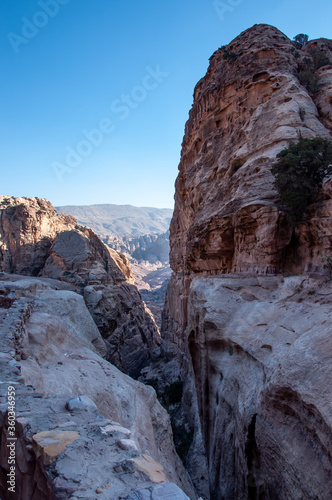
[110,218]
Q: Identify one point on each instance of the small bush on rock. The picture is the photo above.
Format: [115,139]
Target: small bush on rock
[309,79]
[299,173]
[307,73]
[319,58]
[227,54]
[327,265]
[301,39]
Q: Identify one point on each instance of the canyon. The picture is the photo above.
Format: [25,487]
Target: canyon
[37,241]
[242,365]
[142,235]
[83,428]
[71,319]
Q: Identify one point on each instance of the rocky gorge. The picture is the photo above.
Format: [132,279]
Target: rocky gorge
[243,362]
[70,319]
[139,233]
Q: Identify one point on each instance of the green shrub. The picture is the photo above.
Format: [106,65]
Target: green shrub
[309,79]
[319,58]
[227,54]
[327,261]
[307,71]
[301,38]
[299,172]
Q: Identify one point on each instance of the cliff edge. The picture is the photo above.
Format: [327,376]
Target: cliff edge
[248,305]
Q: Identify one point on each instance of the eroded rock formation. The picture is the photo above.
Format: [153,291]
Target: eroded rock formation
[246,109]
[83,428]
[149,258]
[253,349]
[263,373]
[35,240]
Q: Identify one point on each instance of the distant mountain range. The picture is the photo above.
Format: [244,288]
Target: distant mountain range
[140,232]
[120,219]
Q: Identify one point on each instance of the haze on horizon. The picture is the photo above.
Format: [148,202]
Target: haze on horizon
[94,98]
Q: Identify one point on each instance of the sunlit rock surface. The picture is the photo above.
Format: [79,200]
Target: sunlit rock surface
[253,341]
[37,241]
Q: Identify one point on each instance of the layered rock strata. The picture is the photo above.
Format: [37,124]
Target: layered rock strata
[36,241]
[246,109]
[253,357]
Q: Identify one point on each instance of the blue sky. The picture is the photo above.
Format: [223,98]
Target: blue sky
[95,93]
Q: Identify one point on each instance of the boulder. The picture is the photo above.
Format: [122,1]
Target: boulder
[165,491]
[81,403]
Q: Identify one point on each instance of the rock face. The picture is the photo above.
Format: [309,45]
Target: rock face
[139,235]
[35,240]
[260,351]
[165,491]
[127,326]
[256,392]
[83,427]
[245,111]
[28,228]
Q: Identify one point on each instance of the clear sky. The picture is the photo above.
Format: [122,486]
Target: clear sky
[95,93]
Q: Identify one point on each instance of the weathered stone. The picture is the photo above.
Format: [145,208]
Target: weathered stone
[269,380]
[81,403]
[125,323]
[165,491]
[252,351]
[115,429]
[80,256]
[49,444]
[127,444]
[53,333]
[152,469]
[27,229]
[227,215]
[36,241]
[140,495]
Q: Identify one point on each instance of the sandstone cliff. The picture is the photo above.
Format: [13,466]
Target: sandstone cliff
[36,241]
[257,389]
[246,109]
[261,354]
[83,428]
